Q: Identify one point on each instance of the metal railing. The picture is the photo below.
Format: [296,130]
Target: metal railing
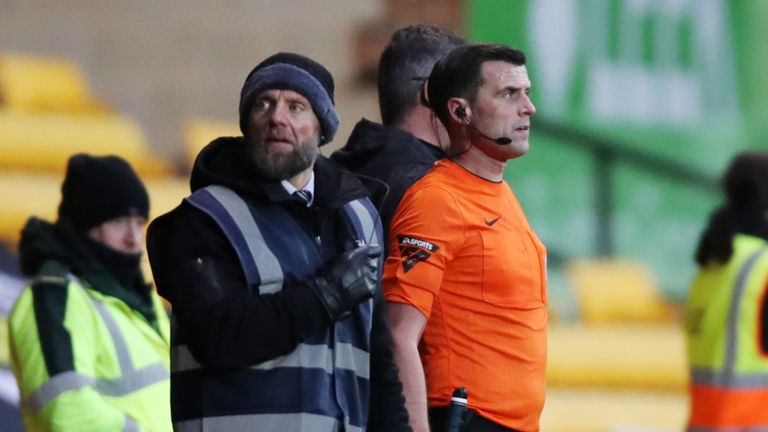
[607,153]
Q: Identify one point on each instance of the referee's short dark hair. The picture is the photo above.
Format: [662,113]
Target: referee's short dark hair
[459,74]
[406,63]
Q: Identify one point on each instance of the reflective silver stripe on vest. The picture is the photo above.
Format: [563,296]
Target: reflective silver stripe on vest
[352,358]
[130,425]
[717,378]
[740,429]
[727,376]
[304,356]
[732,336]
[130,380]
[352,428]
[299,422]
[367,222]
[55,386]
[265,261]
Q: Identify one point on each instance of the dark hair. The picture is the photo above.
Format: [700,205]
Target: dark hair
[406,63]
[746,200]
[459,74]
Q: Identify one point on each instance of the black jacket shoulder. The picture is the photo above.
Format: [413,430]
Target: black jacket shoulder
[389,155]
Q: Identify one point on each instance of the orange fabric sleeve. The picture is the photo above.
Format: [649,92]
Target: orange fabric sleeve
[426,230]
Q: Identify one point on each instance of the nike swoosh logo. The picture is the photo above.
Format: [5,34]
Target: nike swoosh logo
[492,222]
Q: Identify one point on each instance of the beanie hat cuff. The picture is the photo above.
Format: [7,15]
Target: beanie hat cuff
[288,77]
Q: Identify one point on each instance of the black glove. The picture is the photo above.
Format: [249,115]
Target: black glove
[350,280]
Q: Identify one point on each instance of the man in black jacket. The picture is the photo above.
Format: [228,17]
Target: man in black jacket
[272,267]
[403,148]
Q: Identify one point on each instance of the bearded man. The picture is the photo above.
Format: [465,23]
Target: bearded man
[272,266]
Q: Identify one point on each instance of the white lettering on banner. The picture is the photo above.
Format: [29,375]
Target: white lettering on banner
[642,61]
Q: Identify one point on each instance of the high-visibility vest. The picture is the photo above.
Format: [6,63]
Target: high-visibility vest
[728,368]
[323,384]
[102,367]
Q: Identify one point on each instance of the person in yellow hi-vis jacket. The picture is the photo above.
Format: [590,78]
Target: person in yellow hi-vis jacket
[89,338]
[727,307]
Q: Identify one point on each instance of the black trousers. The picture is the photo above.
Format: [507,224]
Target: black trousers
[438,422]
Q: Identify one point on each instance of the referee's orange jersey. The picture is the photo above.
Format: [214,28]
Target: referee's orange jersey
[463,254]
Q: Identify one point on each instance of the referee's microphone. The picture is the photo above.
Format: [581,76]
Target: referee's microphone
[462,113]
[458,410]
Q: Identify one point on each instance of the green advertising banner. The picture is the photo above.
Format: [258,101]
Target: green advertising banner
[679,81]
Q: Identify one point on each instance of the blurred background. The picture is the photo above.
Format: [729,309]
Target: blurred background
[641,104]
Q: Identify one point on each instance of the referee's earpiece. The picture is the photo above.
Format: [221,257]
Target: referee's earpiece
[460,111]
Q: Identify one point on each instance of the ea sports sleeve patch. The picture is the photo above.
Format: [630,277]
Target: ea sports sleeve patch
[414,250]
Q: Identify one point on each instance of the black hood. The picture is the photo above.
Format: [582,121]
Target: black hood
[223,162]
[42,241]
[385,144]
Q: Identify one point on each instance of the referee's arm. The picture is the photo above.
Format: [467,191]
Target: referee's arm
[407,324]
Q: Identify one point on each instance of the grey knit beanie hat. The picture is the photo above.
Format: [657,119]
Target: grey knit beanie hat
[289,71]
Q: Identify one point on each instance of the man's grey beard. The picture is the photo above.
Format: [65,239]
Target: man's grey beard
[282,166]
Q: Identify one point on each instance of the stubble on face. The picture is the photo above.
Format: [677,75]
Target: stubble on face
[505,108]
[277,164]
[283,135]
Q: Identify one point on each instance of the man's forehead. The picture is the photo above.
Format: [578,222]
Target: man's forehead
[501,73]
[283,94]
